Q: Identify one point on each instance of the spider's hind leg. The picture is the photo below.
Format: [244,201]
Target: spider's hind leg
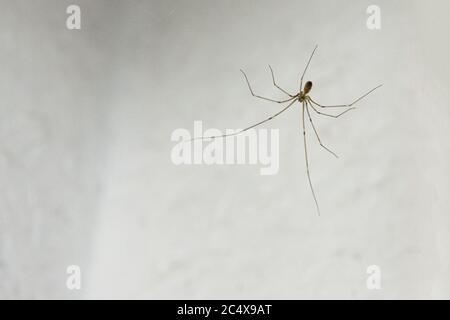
[311,103]
[306,159]
[317,134]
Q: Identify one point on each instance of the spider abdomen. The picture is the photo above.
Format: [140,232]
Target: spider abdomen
[307,88]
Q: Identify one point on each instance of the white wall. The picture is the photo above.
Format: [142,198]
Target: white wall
[85,150]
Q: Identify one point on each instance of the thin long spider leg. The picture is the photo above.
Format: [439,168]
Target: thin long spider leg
[306,158]
[307,65]
[346,105]
[248,128]
[331,115]
[273,80]
[260,97]
[317,134]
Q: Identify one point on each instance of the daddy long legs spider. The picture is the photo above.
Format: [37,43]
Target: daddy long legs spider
[306,102]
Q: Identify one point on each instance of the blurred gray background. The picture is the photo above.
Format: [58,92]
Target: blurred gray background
[87,178]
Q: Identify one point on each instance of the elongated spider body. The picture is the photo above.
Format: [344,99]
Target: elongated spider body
[306,89]
[306,102]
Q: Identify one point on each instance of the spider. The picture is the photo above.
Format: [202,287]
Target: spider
[306,102]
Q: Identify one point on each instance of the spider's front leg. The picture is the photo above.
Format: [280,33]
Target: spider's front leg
[264,98]
[273,80]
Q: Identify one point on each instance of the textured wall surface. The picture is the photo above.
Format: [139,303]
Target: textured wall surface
[54,106]
[87,178]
